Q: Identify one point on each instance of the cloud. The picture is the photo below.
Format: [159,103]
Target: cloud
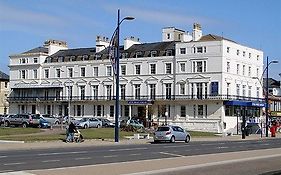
[160,16]
[20,19]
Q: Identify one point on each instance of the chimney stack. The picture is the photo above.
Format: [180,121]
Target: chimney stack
[197,32]
[101,43]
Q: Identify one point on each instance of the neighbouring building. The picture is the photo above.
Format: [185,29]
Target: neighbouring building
[201,82]
[4,91]
[274,96]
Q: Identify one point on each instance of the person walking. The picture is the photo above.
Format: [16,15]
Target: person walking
[71,130]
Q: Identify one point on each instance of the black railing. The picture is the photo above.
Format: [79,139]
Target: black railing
[128,98]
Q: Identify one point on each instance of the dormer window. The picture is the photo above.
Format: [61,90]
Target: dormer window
[199,49]
[138,54]
[182,51]
[169,53]
[23,61]
[85,57]
[124,55]
[153,53]
[49,60]
[72,58]
[97,57]
[60,59]
[35,60]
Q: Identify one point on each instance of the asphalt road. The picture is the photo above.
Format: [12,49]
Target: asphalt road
[79,156]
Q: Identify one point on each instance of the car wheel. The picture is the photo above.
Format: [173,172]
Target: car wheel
[187,139]
[24,125]
[172,140]
[85,126]
[7,124]
[98,126]
[57,123]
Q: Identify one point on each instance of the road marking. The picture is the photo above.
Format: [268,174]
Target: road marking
[110,156]
[61,153]
[3,156]
[179,146]
[171,154]
[134,154]
[266,144]
[83,158]
[222,147]
[47,161]
[16,163]
[127,149]
[207,144]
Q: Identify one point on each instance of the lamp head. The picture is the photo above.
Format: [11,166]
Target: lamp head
[129,18]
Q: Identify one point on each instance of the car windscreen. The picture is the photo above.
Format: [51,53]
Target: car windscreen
[163,129]
[83,119]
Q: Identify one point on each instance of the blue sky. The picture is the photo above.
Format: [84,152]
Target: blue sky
[26,24]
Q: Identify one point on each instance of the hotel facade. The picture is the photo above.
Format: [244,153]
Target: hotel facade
[201,82]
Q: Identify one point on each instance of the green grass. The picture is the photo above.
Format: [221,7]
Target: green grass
[18,131]
[33,134]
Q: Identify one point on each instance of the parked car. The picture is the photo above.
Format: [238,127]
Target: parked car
[66,120]
[2,118]
[44,123]
[23,120]
[106,122]
[131,122]
[171,134]
[88,123]
[50,118]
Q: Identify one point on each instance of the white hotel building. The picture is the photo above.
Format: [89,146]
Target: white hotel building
[200,81]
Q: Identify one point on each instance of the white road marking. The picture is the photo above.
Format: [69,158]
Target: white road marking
[110,156]
[266,144]
[47,161]
[171,154]
[127,149]
[61,153]
[82,158]
[16,163]
[178,146]
[134,154]
[222,147]
[3,156]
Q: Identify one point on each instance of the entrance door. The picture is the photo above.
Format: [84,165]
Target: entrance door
[33,109]
[141,114]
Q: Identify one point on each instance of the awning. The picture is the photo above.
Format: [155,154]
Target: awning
[244,103]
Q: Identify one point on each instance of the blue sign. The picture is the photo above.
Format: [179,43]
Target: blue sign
[140,102]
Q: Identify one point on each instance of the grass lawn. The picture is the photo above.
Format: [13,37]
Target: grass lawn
[36,134]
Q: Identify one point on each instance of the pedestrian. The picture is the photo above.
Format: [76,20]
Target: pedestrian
[71,130]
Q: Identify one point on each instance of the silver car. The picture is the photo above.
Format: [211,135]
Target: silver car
[171,134]
[88,123]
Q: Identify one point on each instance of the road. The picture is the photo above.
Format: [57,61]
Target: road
[80,156]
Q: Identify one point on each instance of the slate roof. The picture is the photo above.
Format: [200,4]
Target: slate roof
[4,76]
[271,83]
[37,50]
[211,37]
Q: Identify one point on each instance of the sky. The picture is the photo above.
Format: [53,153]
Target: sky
[26,24]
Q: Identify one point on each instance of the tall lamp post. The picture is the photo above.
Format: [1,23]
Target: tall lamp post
[266,94]
[117,100]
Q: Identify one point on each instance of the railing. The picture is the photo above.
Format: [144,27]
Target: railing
[128,98]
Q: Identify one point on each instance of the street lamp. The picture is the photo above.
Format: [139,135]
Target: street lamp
[117,101]
[266,94]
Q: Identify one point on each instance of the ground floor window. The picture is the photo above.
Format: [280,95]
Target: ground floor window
[183,111]
[127,111]
[99,110]
[200,110]
[111,113]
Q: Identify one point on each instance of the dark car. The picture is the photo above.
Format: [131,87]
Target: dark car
[23,120]
[106,122]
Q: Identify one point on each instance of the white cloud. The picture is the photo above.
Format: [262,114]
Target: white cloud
[11,17]
[159,16]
